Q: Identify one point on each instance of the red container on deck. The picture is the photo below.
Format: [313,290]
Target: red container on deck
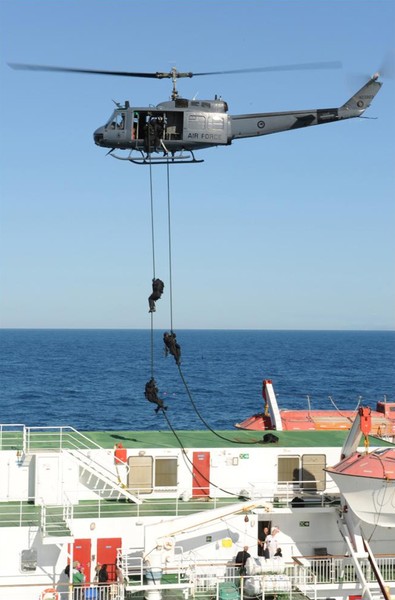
[120,454]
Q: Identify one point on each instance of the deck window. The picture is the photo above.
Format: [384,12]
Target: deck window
[140,474]
[166,472]
[312,472]
[305,472]
[288,469]
[148,473]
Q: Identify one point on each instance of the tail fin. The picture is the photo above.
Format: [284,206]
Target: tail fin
[357,104]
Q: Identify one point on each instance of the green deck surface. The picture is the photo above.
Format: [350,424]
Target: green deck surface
[207,439]
[14,514]
[54,438]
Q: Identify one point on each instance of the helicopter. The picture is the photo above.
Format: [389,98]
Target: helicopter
[174,129]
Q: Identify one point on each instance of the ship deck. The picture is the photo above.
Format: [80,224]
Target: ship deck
[19,437]
[16,514]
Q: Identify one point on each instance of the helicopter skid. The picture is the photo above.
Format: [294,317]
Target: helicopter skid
[141,158]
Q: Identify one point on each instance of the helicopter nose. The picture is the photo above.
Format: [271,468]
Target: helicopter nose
[98,136]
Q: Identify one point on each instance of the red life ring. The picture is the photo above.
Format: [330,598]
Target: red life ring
[44,594]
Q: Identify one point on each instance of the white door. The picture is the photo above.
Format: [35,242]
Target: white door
[48,485]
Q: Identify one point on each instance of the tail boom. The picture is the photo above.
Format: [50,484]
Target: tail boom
[243,126]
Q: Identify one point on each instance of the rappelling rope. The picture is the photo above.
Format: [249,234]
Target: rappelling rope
[169,236]
[153,264]
[188,460]
[171,320]
[232,441]
[244,442]
[152,221]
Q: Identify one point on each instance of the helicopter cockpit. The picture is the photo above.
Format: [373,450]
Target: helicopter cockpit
[117,120]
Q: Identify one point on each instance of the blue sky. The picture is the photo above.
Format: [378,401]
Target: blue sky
[290,231]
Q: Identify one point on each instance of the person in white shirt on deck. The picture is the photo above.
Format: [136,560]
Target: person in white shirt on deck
[271,542]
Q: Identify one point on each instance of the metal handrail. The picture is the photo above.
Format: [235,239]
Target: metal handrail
[68,438]
[64,438]
[173,505]
[17,443]
[115,589]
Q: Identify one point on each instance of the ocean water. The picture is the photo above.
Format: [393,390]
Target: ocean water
[95,379]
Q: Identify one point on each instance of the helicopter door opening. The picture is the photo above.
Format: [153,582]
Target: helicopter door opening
[145,123]
[143,127]
[139,123]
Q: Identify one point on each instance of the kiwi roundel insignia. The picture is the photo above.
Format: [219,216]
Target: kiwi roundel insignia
[261,124]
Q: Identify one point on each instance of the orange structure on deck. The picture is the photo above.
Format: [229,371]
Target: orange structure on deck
[273,418]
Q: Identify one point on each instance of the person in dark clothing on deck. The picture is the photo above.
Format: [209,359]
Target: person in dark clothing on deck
[241,558]
[262,550]
[103,583]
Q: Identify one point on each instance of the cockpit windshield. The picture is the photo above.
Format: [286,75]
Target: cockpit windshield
[116,121]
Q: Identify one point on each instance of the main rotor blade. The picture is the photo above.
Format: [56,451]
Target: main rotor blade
[297,67]
[71,70]
[174,74]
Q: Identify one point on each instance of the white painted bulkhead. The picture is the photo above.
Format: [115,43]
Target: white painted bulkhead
[217,541]
[48,477]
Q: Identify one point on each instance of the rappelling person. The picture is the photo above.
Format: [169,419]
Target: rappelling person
[159,126]
[153,134]
[151,393]
[149,135]
[171,346]
[157,291]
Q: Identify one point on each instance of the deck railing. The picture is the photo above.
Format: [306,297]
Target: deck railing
[204,578]
[304,571]
[13,437]
[17,436]
[335,569]
[61,590]
[25,440]
[15,512]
